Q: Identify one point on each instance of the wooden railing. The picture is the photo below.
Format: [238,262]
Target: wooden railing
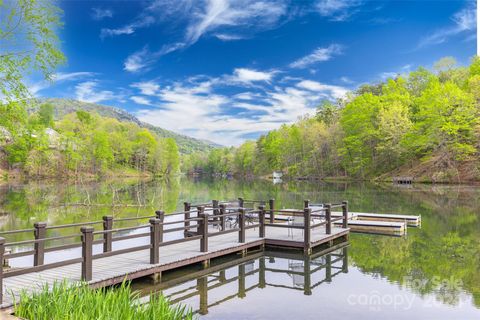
[156,231]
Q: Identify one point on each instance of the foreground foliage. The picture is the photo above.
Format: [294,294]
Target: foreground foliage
[408,120]
[62,301]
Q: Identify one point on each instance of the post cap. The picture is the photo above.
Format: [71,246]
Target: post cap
[40,224]
[107,217]
[86,229]
[154,221]
[159,212]
[261,207]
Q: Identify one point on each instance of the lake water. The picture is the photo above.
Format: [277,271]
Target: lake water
[433,273]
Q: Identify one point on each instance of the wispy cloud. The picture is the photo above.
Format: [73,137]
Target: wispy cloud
[141,100]
[464,22]
[35,87]
[148,88]
[139,61]
[140,22]
[228,37]
[337,10]
[88,92]
[101,13]
[229,119]
[245,75]
[318,55]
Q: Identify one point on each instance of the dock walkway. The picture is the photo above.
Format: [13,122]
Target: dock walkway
[116,263]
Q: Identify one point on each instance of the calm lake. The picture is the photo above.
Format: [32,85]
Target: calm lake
[433,273]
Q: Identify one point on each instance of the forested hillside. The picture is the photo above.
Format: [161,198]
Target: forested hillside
[63,107]
[81,143]
[424,124]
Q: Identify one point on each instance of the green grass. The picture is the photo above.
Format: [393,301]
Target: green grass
[62,301]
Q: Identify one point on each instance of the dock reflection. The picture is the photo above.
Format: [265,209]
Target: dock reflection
[233,279]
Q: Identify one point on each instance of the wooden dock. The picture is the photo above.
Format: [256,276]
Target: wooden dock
[107,259]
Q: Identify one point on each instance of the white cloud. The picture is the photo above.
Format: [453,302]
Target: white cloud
[207,17]
[87,92]
[140,100]
[229,37]
[194,107]
[249,75]
[337,10]
[139,61]
[148,88]
[326,90]
[464,21]
[318,55]
[36,87]
[101,13]
[140,22]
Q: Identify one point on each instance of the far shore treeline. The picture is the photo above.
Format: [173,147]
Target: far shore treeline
[424,124]
[81,143]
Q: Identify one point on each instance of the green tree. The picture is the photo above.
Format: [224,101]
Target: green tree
[29,44]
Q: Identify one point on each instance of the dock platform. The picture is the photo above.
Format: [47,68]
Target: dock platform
[106,260]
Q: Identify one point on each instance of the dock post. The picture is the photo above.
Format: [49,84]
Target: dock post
[261,221]
[241,223]
[39,247]
[241,281]
[2,251]
[261,273]
[203,229]
[87,253]
[160,214]
[307,276]
[328,218]
[307,216]
[271,204]
[107,236]
[328,268]
[202,287]
[345,260]
[345,214]
[240,202]
[223,212]
[186,209]
[306,203]
[216,210]
[154,240]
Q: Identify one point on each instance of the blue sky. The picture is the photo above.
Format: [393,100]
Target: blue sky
[230,70]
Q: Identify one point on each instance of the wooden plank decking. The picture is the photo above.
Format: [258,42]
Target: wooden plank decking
[115,268]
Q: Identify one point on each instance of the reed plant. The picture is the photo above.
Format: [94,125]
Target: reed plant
[64,301]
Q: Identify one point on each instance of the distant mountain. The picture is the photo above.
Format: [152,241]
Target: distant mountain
[185,144]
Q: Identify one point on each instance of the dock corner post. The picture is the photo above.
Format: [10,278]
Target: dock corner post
[39,247]
[271,204]
[241,223]
[328,218]
[2,251]
[261,221]
[306,203]
[216,210]
[160,214]
[87,253]
[154,240]
[307,276]
[345,214]
[203,229]
[307,212]
[186,208]
[107,235]
[345,260]
[241,202]
[223,212]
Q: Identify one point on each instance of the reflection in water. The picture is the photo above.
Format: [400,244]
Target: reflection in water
[228,279]
[447,247]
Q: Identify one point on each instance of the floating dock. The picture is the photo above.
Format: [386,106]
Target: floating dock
[377,227]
